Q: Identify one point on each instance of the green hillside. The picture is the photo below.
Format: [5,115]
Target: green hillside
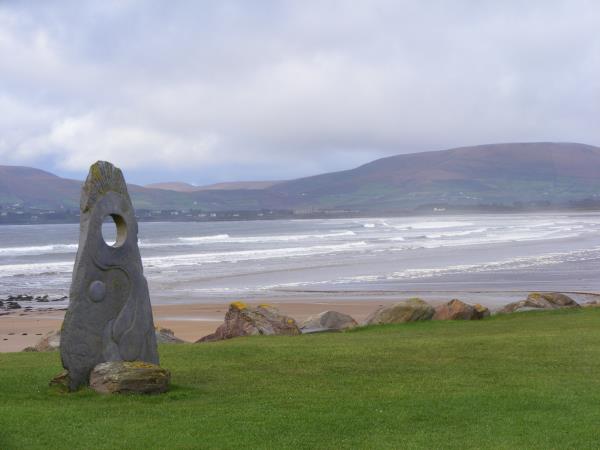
[530,174]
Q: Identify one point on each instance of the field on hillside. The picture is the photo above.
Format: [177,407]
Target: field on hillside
[526,380]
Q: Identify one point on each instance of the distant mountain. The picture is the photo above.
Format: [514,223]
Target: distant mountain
[35,188]
[176,186]
[485,174]
[531,174]
[226,186]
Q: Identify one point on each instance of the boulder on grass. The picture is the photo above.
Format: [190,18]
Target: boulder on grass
[591,304]
[121,377]
[410,310]
[245,320]
[537,300]
[458,310]
[328,321]
[482,311]
[556,299]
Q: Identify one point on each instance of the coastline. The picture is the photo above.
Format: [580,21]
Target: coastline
[190,321]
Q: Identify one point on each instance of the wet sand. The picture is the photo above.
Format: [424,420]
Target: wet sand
[20,329]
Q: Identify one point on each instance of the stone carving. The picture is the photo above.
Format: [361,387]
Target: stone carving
[109,316]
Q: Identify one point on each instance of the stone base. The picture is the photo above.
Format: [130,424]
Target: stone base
[61,381]
[136,377]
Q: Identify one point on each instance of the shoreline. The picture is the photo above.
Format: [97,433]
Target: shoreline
[23,327]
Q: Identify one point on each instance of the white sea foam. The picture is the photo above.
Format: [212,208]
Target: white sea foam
[432,225]
[38,249]
[248,255]
[448,234]
[267,238]
[46,269]
[418,273]
[216,237]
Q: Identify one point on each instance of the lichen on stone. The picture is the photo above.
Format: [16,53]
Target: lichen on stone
[238,305]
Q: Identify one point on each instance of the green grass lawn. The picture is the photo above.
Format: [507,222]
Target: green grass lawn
[527,380]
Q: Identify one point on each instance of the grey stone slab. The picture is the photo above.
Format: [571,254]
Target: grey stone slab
[109,316]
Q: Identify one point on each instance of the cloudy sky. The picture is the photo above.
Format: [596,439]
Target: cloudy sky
[205,91]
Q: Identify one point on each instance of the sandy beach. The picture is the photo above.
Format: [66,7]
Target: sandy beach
[20,328]
[189,321]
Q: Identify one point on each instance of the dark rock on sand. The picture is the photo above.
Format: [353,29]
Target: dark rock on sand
[49,343]
[410,310]
[458,310]
[328,321]
[12,305]
[166,336]
[129,377]
[244,320]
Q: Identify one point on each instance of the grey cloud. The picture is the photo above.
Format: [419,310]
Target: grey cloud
[205,91]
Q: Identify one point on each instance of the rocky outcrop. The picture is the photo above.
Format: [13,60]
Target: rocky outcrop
[166,336]
[458,310]
[245,320]
[537,300]
[129,377]
[328,321]
[410,310]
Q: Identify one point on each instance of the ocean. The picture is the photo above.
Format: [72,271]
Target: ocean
[350,258]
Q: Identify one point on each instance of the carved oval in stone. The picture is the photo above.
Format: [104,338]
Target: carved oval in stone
[97,291]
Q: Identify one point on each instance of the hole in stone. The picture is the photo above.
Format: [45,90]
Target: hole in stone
[114,230]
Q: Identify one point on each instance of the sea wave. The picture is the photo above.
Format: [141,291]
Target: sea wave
[432,272]
[432,225]
[248,255]
[258,239]
[38,249]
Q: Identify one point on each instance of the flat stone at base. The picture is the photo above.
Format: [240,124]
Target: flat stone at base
[129,377]
[61,381]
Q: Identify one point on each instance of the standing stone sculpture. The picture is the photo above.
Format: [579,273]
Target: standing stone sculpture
[109,316]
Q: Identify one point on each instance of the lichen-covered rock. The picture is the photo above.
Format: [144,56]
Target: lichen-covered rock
[458,310]
[166,336]
[109,316]
[548,300]
[410,310]
[328,321]
[245,320]
[556,299]
[129,377]
[482,311]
